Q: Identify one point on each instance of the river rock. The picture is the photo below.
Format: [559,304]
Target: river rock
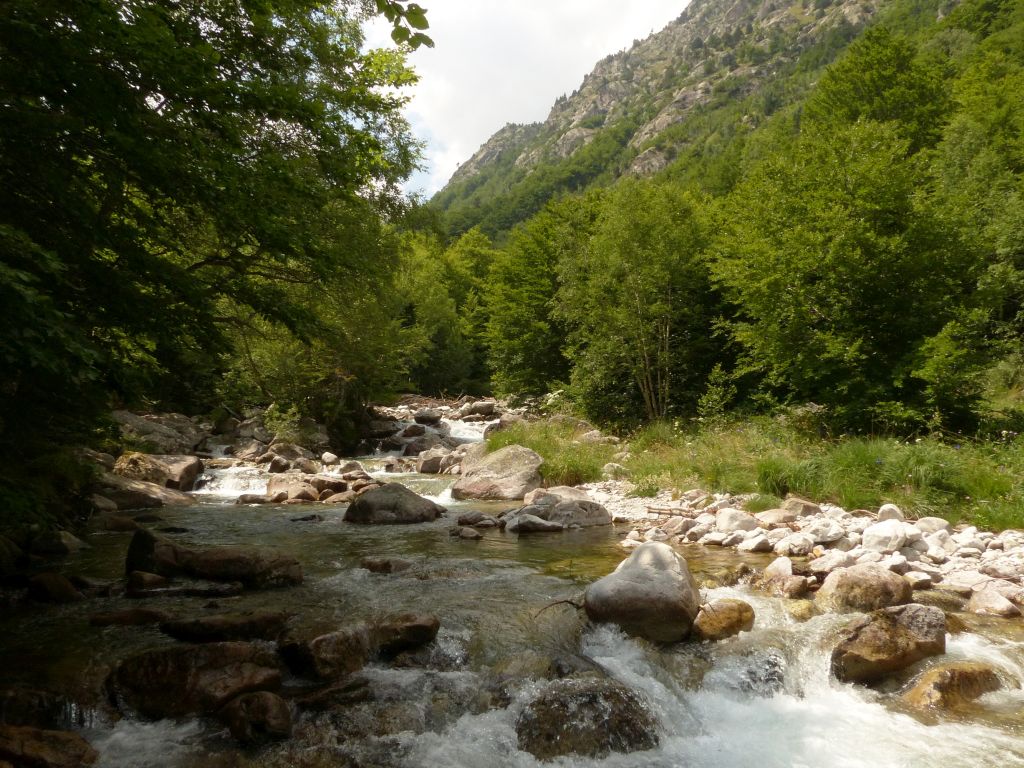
[888,640]
[795,545]
[989,601]
[405,632]
[862,587]
[823,530]
[278,464]
[27,747]
[930,525]
[651,594]
[392,504]
[427,416]
[508,473]
[886,536]
[191,679]
[951,685]
[252,567]
[329,656]
[728,520]
[251,625]
[163,433]
[385,564]
[429,462]
[171,471]
[547,497]
[773,517]
[723,618]
[778,579]
[486,408]
[801,507]
[129,617]
[889,512]
[524,522]
[588,717]
[256,718]
[53,588]
[828,562]
[139,494]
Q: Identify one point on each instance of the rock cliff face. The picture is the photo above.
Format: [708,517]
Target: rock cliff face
[716,50]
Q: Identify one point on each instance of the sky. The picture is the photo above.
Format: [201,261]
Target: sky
[506,61]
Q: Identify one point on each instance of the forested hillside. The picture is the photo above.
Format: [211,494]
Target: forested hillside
[844,227]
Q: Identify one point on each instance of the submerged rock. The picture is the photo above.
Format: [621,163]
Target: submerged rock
[392,504]
[256,718]
[888,640]
[29,747]
[650,594]
[952,685]
[191,679]
[252,625]
[588,717]
[508,473]
[329,656]
[254,568]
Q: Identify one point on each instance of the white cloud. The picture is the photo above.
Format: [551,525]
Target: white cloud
[497,62]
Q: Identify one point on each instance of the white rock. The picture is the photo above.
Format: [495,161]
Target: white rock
[910,554]
[779,568]
[845,544]
[729,520]
[830,561]
[697,532]
[988,601]
[887,536]
[929,525]
[870,557]
[758,543]
[896,563]
[706,518]
[713,538]
[936,554]
[890,512]
[655,534]
[775,535]
[918,579]
[795,545]
[823,530]
[773,517]
[329,459]
[634,535]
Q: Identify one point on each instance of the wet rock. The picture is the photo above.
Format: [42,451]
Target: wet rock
[252,567]
[308,519]
[723,618]
[523,522]
[651,594]
[468,534]
[801,610]
[508,473]
[989,601]
[290,451]
[279,464]
[346,497]
[429,462]
[350,690]
[589,717]
[257,718]
[170,471]
[385,564]
[392,504]
[140,582]
[251,625]
[53,588]
[329,656]
[130,617]
[37,708]
[307,466]
[191,679]
[27,747]
[427,416]
[863,587]
[406,632]
[256,498]
[888,640]
[57,544]
[139,494]
[950,686]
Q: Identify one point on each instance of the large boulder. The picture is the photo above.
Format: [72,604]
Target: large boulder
[254,568]
[949,686]
[508,473]
[589,717]
[27,747]
[888,640]
[329,656]
[140,494]
[405,632]
[392,504]
[164,433]
[191,679]
[650,594]
[864,587]
[171,471]
[557,510]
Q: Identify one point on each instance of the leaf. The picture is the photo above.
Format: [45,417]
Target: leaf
[400,35]
[420,39]
[416,17]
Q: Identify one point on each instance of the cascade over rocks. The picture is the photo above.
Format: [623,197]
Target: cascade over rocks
[589,717]
[650,594]
[888,640]
[191,679]
[508,473]
[392,504]
[252,567]
[256,718]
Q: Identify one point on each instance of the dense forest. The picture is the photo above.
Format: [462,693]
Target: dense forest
[201,209]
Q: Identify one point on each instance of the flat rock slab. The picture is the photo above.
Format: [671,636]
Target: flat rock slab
[507,474]
[34,747]
[252,625]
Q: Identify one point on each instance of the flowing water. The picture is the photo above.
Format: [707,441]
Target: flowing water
[762,699]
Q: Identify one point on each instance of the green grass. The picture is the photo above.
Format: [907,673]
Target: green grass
[982,482]
[566,461]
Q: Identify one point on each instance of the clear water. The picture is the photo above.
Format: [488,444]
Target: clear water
[763,699]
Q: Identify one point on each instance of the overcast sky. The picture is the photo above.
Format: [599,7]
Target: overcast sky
[506,61]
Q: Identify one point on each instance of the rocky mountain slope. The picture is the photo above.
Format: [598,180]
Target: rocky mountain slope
[642,109]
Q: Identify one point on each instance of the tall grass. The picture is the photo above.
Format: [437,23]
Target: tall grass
[566,460]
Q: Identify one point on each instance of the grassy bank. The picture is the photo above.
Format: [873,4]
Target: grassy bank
[980,482]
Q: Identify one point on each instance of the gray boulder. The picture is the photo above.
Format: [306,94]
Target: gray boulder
[392,504]
[887,641]
[139,494]
[863,587]
[508,473]
[650,594]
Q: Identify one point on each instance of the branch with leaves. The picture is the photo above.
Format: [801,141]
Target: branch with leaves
[409,21]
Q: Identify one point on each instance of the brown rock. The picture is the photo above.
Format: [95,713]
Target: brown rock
[952,685]
[251,625]
[888,640]
[53,588]
[406,632]
[130,617]
[345,497]
[191,679]
[385,564]
[139,494]
[28,747]
[329,656]
[723,618]
[865,587]
[256,718]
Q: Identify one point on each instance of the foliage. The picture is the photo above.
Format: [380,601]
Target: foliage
[566,460]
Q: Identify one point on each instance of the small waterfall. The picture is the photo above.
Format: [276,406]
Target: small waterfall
[232,482]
